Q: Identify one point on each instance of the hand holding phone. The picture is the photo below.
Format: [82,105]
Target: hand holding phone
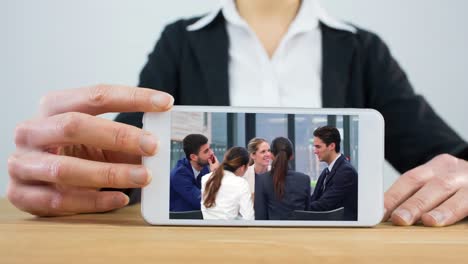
[65,155]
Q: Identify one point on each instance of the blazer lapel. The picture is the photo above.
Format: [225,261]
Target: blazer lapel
[210,46]
[337,49]
[333,171]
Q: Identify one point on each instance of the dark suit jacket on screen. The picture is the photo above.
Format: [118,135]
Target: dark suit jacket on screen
[296,196]
[341,190]
[185,189]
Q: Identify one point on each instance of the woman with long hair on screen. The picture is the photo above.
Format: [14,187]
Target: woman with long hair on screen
[260,158]
[225,193]
[281,190]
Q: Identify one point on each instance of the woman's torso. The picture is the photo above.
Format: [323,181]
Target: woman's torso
[233,200]
[296,195]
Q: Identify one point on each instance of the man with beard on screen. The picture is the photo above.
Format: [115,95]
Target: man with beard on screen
[186,177]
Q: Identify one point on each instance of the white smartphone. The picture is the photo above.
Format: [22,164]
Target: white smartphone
[362,145]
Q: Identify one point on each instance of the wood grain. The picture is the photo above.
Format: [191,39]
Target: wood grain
[123,237]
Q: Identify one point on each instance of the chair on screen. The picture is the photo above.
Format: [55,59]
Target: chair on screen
[186,215]
[332,215]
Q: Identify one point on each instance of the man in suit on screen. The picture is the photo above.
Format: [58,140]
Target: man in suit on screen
[337,185]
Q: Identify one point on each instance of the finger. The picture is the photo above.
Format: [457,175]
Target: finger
[450,212]
[212,160]
[45,167]
[405,186]
[44,200]
[104,98]
[78,128]
[414,179]
[431,195]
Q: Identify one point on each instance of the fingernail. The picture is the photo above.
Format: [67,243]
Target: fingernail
[438,216]
[163,101]
[405,215]
[148,144]
[120,201]
[139,176]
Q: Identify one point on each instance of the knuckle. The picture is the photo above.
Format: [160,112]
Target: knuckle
[110,175]
[138,97]
[18,198]
[135,94]
[392,199]
[55,170]
[56,202]
[447,161]
[415,179]
[121,136]
[69,124]
[98,94]
[98,204]
[419,203]
[46,101]
[445,157]
[43,101]
[141,99]
[14,166]
[447,184]
[22,132]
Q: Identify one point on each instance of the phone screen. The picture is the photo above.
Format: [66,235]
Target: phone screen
[319,182]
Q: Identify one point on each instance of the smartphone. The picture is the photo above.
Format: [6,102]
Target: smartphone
[361,147]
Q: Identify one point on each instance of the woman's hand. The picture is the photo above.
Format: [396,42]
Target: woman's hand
[66,155]
[435,193]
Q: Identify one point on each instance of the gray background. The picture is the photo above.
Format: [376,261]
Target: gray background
[55,44]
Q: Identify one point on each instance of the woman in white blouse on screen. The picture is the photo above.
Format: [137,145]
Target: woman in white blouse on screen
[225,193]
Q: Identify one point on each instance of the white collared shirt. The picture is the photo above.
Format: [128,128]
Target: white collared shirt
[233,200]
[292,76]
[330,167]
[195,172]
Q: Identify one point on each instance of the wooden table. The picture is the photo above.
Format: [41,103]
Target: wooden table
[123,237]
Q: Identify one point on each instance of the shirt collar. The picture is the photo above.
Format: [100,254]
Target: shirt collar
[330,167]
[308,17]
[195,172]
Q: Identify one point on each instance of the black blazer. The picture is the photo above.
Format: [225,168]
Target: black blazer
[358,71]
[296,196]
[341,190]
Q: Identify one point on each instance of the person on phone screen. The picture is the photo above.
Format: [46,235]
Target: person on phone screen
[281,190]
[260,158]
[337,184]
[243,53]
[185,181]
[225,193]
